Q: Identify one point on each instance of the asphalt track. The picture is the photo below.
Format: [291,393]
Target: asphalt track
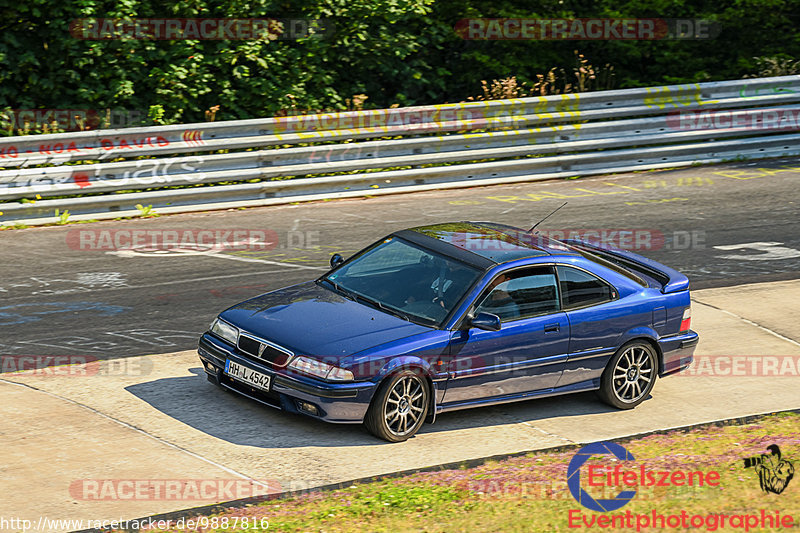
[723,225]
[157,418]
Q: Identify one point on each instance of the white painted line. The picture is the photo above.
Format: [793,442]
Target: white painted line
[163,283]
[134,253]
[771,251]
[265,261]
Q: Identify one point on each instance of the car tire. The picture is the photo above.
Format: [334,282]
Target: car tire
[629,376]
[399,407]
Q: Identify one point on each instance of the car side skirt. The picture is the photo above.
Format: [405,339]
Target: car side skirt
[592,384]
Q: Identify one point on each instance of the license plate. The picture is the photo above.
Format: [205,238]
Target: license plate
[247,375]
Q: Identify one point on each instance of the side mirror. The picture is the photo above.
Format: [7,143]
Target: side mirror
[486,321]
[336,260]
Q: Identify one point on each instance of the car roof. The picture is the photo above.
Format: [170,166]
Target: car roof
[494,243]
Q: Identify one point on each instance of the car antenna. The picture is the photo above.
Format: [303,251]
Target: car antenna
[548,216]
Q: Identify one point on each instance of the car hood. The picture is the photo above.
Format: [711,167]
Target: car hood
[310,319]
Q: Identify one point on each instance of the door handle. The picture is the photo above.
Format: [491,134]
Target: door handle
[552,327]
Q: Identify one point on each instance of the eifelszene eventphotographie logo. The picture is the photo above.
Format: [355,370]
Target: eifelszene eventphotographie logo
[624,476]
[604,477]
[574,477]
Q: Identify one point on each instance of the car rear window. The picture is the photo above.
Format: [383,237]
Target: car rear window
[608,263]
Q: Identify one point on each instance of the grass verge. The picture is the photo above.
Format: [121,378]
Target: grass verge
[530,493]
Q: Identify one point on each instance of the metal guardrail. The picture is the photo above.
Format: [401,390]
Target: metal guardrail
[336,155]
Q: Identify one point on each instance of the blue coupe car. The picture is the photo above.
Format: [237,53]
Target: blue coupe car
[452,316]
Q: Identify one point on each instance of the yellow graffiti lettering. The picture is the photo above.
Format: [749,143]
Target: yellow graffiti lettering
[541,106]
[685,95]
[696,181]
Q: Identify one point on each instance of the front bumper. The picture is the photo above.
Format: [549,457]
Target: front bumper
[345,403]
[677,351]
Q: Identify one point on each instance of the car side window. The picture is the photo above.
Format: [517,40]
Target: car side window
[581,289]
[521,294]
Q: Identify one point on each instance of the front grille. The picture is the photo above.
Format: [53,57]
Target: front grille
[261,351]
[249,345]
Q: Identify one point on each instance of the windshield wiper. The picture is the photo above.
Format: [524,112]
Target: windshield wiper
[391,311]
[341,290]
[379,305]
[352,295]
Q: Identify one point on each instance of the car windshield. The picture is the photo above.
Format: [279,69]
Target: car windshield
[406,280]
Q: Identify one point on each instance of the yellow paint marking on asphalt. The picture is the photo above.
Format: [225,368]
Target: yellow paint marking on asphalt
[658,201]
[601,193]
[622,186]
[464,202]
[694,181]
[667,183]
[547,195]
[754,173]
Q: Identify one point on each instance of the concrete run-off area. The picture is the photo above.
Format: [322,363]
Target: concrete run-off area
[78,446]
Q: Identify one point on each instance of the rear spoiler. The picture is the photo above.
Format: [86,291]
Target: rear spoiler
[670,279]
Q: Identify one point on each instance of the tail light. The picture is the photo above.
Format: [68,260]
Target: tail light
[686,321]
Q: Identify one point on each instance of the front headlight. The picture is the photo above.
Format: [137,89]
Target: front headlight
[320,370]
[224,331]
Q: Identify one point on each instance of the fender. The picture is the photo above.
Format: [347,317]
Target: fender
[413,361]
[405,361]
[638,332]
[644,332]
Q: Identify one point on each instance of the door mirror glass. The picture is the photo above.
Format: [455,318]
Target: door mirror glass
[485,321]
[336,260]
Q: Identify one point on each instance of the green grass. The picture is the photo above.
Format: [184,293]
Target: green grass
[529,493]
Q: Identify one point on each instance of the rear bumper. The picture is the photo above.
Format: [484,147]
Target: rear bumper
[677,351]
[345,403]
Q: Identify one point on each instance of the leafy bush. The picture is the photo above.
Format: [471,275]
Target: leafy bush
[399,52]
